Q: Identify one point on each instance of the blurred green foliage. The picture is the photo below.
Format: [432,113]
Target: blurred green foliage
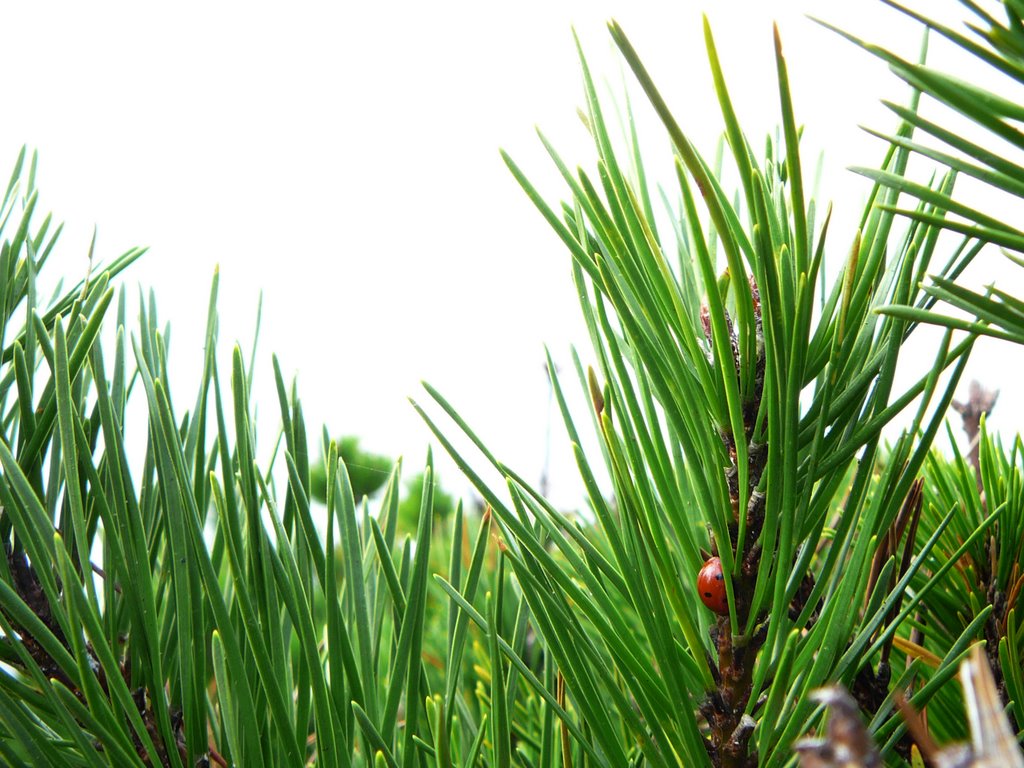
[369,473]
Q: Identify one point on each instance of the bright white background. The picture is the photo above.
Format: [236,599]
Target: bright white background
[343,159]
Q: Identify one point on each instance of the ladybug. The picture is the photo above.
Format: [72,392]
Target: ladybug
[711,586]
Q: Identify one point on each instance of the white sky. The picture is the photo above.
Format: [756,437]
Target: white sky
[343,158]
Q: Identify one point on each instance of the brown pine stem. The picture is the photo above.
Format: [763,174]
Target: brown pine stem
[26,583]
[724,708]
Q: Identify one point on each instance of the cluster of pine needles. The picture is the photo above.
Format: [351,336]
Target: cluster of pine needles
[756,578]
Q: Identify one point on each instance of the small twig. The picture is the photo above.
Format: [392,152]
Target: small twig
[980,401]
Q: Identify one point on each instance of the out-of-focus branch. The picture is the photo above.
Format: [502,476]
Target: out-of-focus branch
[980,401]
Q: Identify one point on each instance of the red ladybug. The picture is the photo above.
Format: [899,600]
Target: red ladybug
[711,586]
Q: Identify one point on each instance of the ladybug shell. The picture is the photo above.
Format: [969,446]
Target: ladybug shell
[711,586]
